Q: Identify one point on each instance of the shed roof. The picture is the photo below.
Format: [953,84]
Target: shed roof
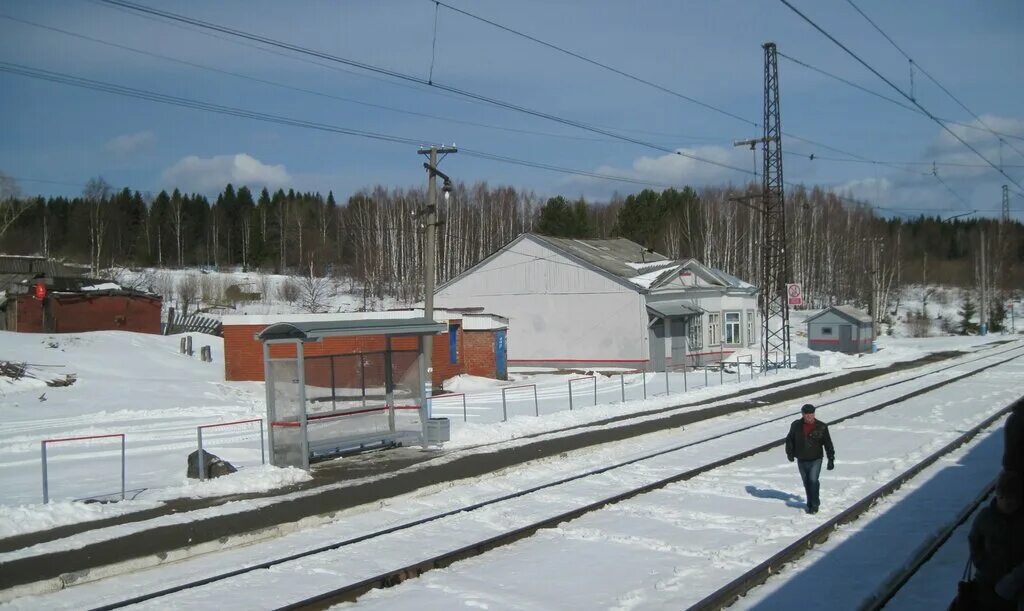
[846,311]
[314,330]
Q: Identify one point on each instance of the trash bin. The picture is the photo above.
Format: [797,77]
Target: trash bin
[439,430]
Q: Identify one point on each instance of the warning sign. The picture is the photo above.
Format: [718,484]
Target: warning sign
[794,294]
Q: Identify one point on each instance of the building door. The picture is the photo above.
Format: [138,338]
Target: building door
[656,343]
[679,344]
[846,339]
[501,354]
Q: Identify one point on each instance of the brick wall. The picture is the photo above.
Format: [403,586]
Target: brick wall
[30,314]
[243,356]
[480,357]
[75,313]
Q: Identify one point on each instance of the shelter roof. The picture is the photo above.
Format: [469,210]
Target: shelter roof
[674,307]
[314,330]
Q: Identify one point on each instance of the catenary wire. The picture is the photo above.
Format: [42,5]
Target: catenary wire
[932,78]
[129,5]
[414,87]
[890,99]
[639,79]
[633,77]
[301,89]
[900,91]
[142,94]
[408,77]
[620,178]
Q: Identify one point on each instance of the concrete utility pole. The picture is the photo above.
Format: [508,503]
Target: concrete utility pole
[429,246]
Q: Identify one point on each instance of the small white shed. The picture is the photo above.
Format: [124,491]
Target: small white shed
[840,328]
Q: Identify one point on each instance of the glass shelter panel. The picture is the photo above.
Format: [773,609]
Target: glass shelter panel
[285,413]
[357,400]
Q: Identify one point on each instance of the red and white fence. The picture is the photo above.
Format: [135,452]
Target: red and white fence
[45,442]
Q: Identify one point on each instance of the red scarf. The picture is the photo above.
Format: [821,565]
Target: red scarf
[808,427]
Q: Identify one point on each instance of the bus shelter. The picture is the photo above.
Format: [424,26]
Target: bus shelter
[322,404]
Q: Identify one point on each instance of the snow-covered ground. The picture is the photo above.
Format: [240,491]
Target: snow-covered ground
[141,386]
[663,550]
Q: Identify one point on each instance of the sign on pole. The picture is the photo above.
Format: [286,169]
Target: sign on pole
[794,294]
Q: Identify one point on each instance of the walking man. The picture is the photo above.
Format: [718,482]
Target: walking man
[807,437]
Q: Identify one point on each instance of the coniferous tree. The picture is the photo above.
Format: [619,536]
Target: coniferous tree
[967,311]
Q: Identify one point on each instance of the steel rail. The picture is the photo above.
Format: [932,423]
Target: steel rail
[352,591]
[895,583]
[729,593]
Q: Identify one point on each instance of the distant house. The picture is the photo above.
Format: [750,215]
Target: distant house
[840,328]
[44,296]
[612,303]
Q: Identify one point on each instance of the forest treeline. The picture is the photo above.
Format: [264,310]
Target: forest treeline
[841,251]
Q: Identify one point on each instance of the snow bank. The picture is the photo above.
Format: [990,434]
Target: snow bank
[254,479]
[21,519]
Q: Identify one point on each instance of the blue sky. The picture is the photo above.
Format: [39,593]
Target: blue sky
[710,51]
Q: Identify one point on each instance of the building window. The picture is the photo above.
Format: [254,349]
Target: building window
[694,335]
[750,327]
[826,330]
[732,328]
[714,329]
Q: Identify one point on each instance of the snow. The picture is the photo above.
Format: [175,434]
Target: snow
[663,550]
[646,279]
[671,546]
[103,286]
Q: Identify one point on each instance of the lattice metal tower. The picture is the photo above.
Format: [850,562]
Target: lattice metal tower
[1006,204]
[775,272]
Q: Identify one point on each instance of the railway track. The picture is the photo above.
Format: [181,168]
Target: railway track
[353,589]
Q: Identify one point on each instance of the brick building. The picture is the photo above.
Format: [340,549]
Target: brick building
[33,300]
[474,344]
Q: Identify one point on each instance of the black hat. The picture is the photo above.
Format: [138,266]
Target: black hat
[807,409]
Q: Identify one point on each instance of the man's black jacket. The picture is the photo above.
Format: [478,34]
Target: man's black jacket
[808,447]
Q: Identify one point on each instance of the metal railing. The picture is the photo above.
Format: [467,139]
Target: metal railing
[43,443]
[199,435]
[437,398]
[504,404]
[571,380]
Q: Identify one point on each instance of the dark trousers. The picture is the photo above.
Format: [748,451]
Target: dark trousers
[809,472]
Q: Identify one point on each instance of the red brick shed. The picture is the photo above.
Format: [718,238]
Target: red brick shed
[474,343]
[72,305]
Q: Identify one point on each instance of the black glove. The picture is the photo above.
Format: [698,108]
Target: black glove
[791,459]
[831,464]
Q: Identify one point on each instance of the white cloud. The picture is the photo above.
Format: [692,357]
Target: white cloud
[209,175]
[126,144]
[947,149]
[676,169]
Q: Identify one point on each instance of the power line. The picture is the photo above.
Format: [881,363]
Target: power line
[900,91]
[932,78]
[408,77]
[123,4]
[657,86]
[300,89]
[593,62]
[951,164]
[151,96]
[892,100]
